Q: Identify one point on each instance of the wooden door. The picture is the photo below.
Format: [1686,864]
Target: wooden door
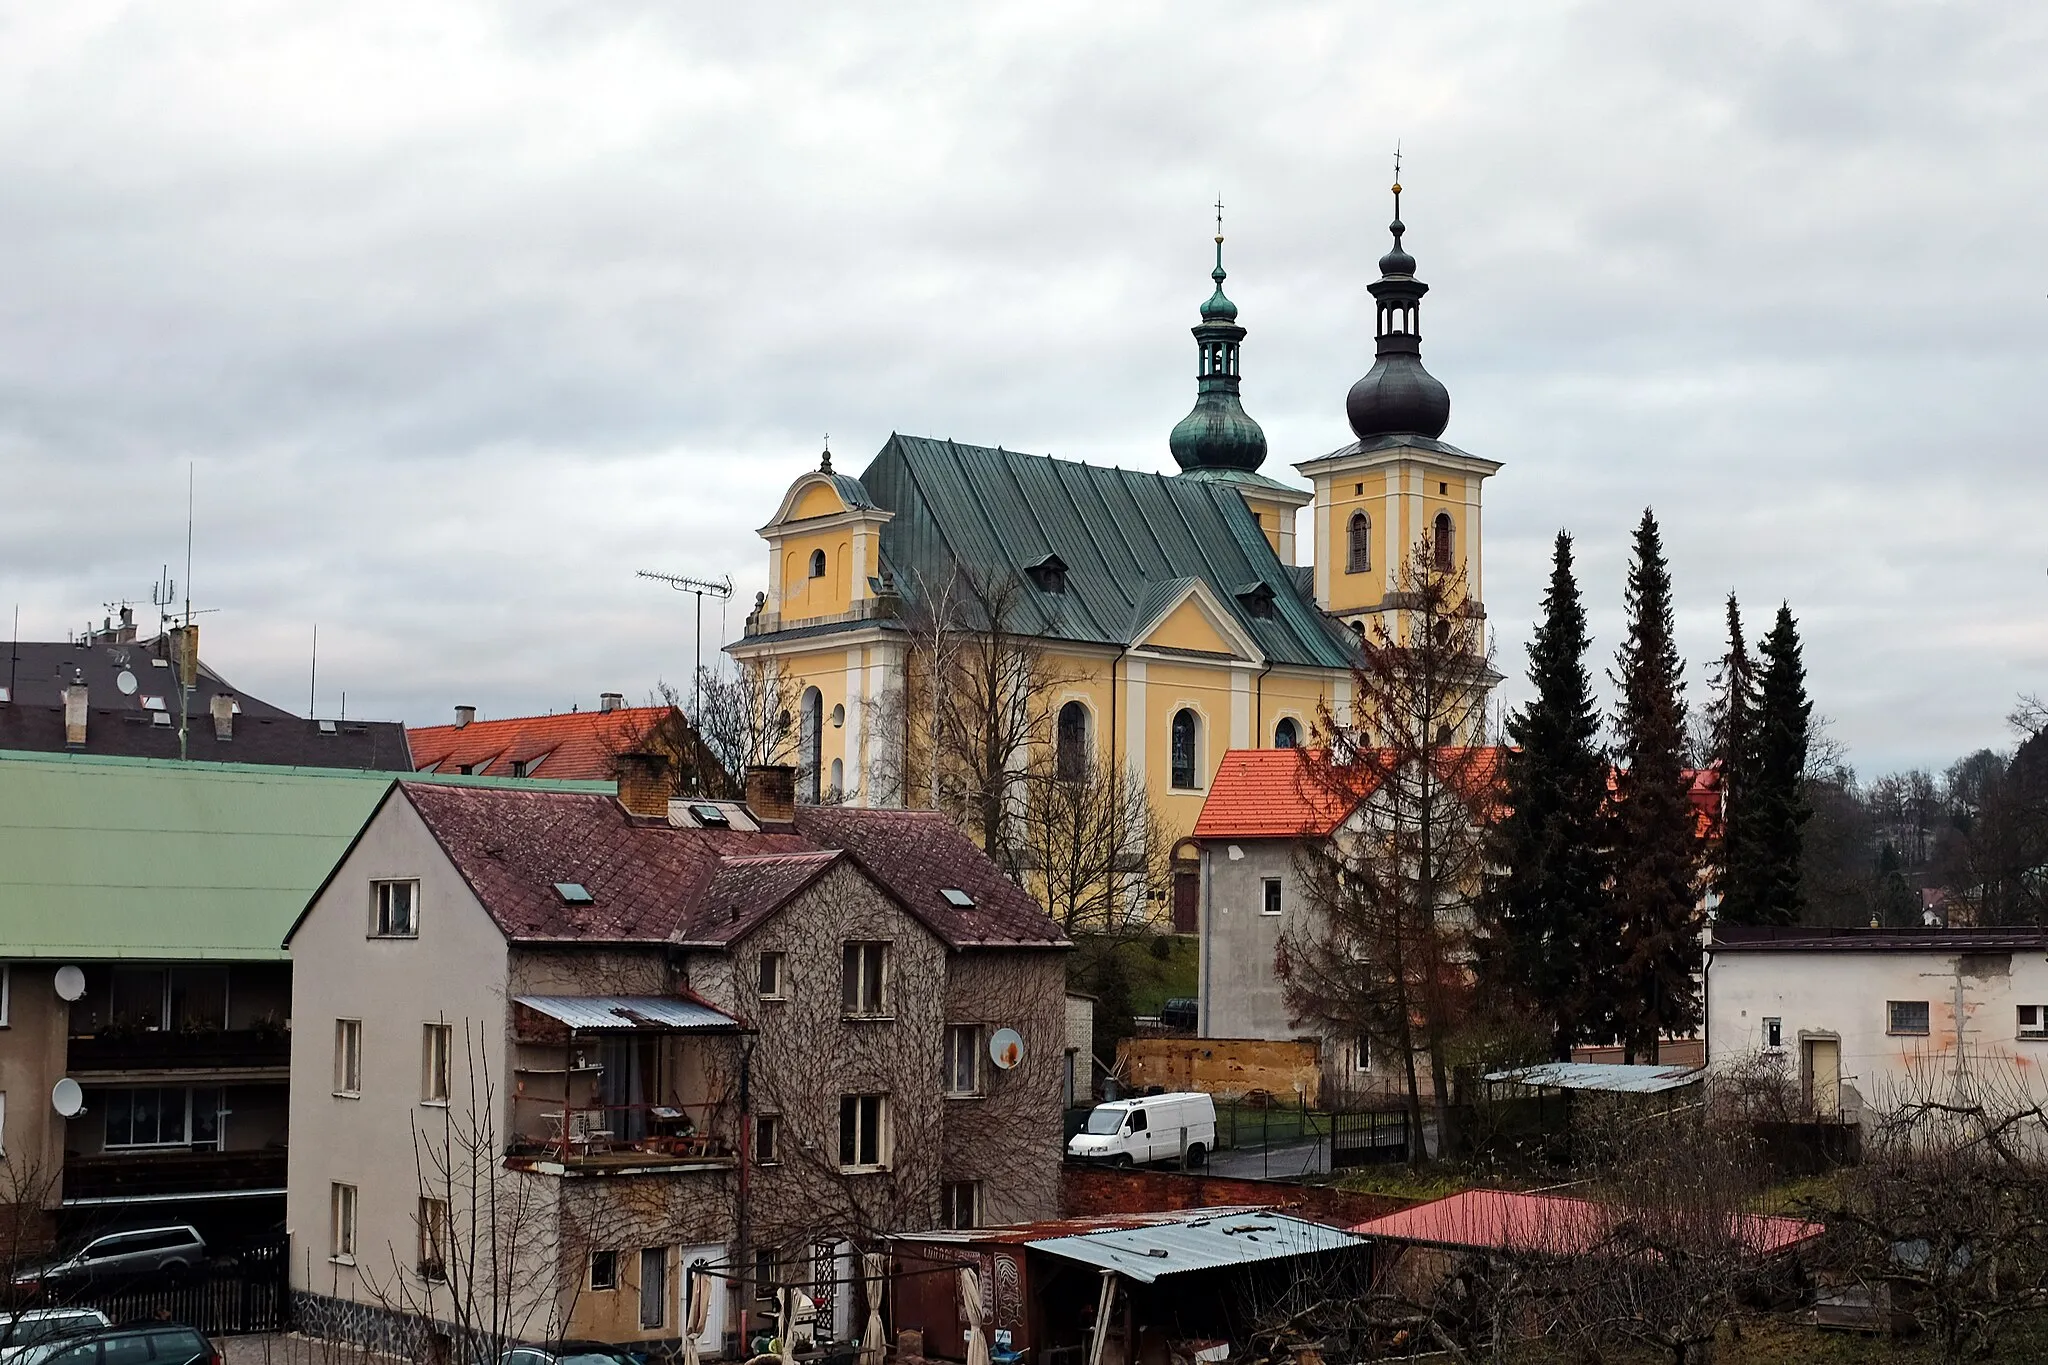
[1824,1076]
[1187,902]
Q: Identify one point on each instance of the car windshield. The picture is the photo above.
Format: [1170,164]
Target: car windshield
[30,1330]
[1105,1120]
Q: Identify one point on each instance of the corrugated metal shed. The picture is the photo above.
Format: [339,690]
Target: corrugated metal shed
[1611,1077]
[153,858]
[1205,1239]
[597,1013]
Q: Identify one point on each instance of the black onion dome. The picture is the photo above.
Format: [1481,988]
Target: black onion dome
[1397,397]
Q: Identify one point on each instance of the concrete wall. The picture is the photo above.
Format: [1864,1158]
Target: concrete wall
[454,972]
[32,1049]
[1008,1139]
[1091,1190]
[1241,994]
[1972,1001]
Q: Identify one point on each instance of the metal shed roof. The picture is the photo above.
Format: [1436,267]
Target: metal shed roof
[1612,1077]
[626,1012]
[1206,1240]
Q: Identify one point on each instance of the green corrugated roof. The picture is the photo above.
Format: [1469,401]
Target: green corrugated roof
[1120,532]
[150,858]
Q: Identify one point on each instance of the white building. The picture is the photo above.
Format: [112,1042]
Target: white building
[1862,1016]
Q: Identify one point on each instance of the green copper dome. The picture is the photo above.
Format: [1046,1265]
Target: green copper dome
[1218,434]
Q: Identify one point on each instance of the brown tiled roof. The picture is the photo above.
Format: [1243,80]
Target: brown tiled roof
[269,737]
[576,746]
[652,882]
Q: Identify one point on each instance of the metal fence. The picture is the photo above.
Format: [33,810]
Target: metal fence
[1274,1141]
[236,1296]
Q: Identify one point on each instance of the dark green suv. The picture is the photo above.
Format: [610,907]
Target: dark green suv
[149,1343]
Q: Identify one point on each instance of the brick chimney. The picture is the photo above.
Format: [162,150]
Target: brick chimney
[771,793]
[464,715]
[74,712]
[610,701]
[223,708]
[644,784]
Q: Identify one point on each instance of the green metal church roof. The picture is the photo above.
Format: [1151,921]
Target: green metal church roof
[1120,532]
[157,859]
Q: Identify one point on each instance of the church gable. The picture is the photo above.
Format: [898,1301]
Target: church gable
[1196,624]
[821,499]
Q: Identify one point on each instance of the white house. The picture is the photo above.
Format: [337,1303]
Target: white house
[1863,1016]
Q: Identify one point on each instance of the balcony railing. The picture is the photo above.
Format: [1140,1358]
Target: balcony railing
[107,1176]
[620,1136]
[199,1050]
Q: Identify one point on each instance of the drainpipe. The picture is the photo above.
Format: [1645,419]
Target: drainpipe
[1204,933]
[743,1228]
[1114,752]
[1259,705]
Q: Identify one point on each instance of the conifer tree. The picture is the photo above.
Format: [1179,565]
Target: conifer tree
[1731,727]
[1655,839]
[1547,907]
[1776,783]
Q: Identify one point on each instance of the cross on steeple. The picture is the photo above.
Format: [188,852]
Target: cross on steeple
[1219,217]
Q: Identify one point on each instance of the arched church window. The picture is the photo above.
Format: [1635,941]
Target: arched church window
[1187,734]
[1360,558]
[817,563]
[810,743]
[1287,734]
[838,778]
[1070,759]
[1443,542]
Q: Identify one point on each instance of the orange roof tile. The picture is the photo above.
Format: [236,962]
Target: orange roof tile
[575,746]
[1269,794]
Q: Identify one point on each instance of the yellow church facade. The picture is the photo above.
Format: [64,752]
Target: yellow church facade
[1178,616]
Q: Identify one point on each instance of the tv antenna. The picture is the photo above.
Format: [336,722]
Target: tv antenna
[703,588]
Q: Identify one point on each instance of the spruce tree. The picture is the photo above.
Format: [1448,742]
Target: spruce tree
[1655,836]
[1731,736]
[1546,909]
[1776,794]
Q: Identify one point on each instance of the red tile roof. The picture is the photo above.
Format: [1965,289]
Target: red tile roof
[575,746]
[651,882]
[1548,1224]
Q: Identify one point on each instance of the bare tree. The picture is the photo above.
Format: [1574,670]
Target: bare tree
[746,715]
[1384,949]
[1091,846]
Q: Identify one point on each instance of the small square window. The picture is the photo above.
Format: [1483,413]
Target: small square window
[395,907]
[604,1270]
[769,976]
[960,1204]
[767,1139]
[1269,903]
[1774,1033]
[2034,1021]
[1358,490]
[1443,488]
[1906,1016]
[574,893]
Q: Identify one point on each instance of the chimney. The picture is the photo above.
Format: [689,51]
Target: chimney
[223,708]
[464,715]
[185,654]
[74,712]
[771,793]
[644,784]
[126,634]
[610,701]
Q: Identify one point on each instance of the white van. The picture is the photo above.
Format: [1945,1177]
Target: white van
[1131,1132]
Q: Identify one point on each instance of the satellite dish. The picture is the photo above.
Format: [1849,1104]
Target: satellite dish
[1006,1048]
[126,682]
[70,983]
[66,1098]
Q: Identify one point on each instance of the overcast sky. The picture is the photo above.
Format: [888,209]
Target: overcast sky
[463,313]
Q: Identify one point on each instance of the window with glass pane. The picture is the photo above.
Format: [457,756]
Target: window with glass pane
[151,1117]
[199,998]
[770,976]
[653,1287]
[861,1130]
[963,1059]
[342,1221]
[138,998]
[960,1204]
[1071,744]
[1906,1016]
[434,1063]
[348,1056]
[864,978]
[1185,735]
[397,909]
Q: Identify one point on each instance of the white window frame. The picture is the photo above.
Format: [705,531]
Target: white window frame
[188,1096]
[348,1058]
[2039,1028]
[860,1006]
[1272,896]
[380,908]
[970,1037]
[949,1209]
[341,1223]
[778,989]
[612,1281]
[433,1240]
[881,1153]
[1891,1019]
[437,1048]
[1361,1054]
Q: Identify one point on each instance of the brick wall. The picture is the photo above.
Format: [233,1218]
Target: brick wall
[1088,1190]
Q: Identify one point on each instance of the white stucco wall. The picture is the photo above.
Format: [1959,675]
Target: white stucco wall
[454,972]
[1972,1000]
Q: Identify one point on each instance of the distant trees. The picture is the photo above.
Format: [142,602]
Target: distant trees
[1765,818]
[1655,836]
[1384,952]
[1548,912]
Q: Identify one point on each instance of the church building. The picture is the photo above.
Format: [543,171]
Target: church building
[1187,614]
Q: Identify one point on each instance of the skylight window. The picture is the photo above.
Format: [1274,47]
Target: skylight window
[150,703]
[574,893]
[957,898]
[327,727]
[710,816]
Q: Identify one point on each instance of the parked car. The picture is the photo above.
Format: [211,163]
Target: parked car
[170,1251]
[1183,1014]
[1148,1128]
[146,1343]
[32,1326]
[570,1353]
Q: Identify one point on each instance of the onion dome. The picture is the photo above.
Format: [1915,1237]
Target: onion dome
[1218,434]
[1397,397]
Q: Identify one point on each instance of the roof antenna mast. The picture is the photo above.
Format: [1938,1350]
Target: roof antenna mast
[720,590]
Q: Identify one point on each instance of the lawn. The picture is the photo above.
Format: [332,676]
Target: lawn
[1156,979]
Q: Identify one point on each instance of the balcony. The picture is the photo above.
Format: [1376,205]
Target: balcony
[172,1173]
[238,1050]
[619,1139]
